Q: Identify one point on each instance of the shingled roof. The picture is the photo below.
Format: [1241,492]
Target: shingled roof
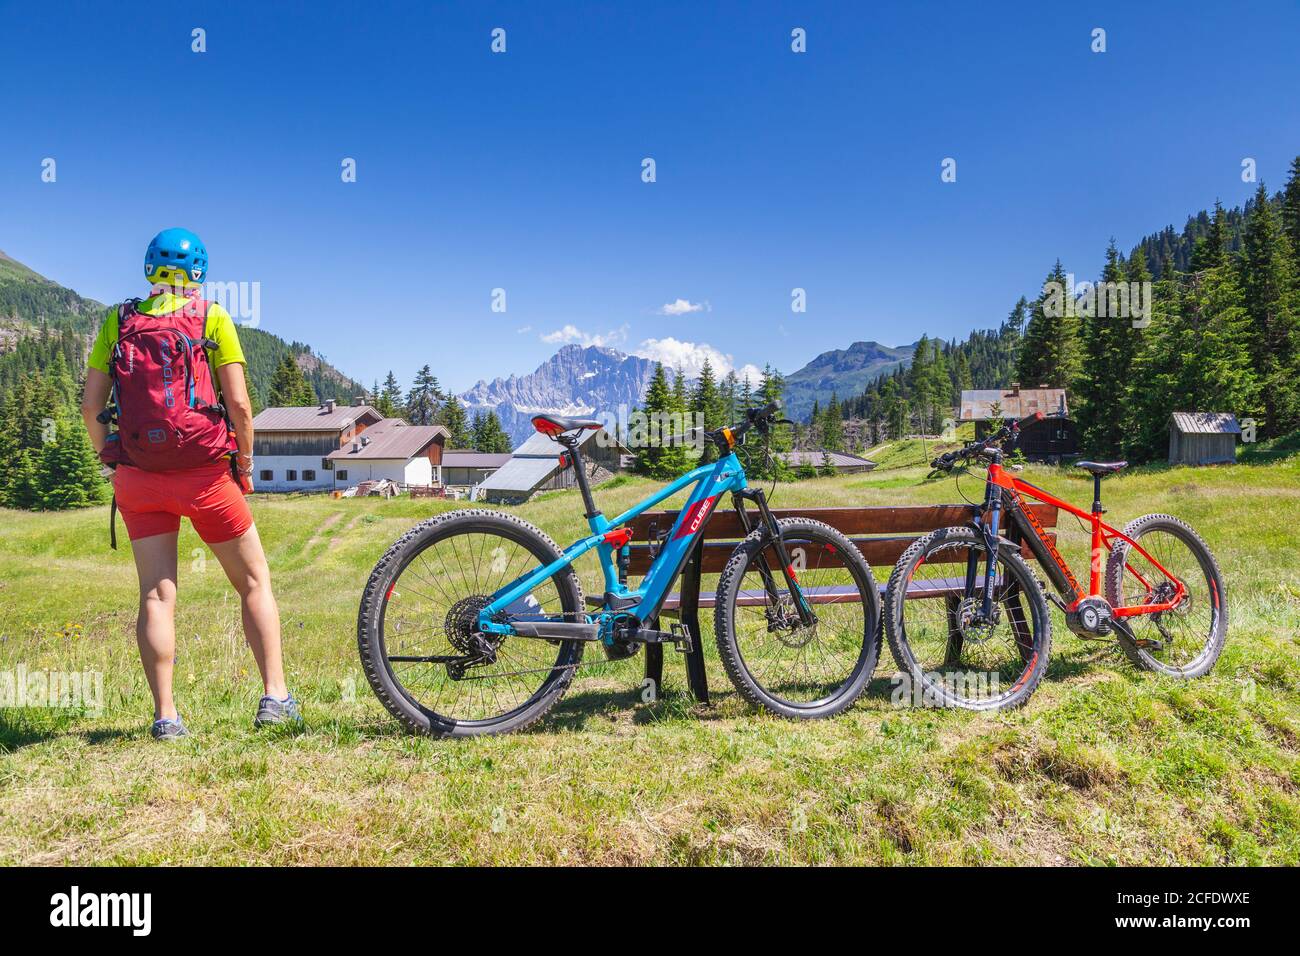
[977,403]
[391,438]
[817,457]
[1206,423]
[327,417]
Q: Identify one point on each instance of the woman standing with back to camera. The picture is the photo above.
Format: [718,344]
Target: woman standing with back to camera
[169,372]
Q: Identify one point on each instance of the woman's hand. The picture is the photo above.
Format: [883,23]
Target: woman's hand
[234,395]
[244,472]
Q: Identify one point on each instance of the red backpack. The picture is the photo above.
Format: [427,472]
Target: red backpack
[164,400]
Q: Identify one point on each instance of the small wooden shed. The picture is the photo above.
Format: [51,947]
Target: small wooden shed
[1203,438]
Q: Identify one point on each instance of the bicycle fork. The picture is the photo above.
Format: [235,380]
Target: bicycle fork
[806,616]
[989,527]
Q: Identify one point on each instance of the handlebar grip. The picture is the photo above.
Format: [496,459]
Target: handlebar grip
[767,411]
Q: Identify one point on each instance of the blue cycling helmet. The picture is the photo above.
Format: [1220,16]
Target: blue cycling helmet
[176,253]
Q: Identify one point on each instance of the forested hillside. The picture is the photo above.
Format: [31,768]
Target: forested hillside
[45,334]
[39,318]
[1220,332]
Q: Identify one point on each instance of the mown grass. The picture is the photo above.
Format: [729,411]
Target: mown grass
[1105,765]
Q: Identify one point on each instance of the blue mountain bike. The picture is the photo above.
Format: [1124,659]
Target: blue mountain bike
[474,622]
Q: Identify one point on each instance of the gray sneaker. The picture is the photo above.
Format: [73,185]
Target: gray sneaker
[273,711]
[168,729]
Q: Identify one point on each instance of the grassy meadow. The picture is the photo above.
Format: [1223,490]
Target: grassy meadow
[1106,765]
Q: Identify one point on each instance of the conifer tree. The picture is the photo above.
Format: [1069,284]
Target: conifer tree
[1269,297]
[377,401]
[68,472]
[489,436]
[288,386]
[424,399]
[662,456]
[49,462]
[961,375]
[1013,331]
[757,464]
[1049,355]
[390,394]
[706,406]
[827,469]
[729,396]
[832,426]
[254,393]
[1100,389]
[453,419]
[1291,213]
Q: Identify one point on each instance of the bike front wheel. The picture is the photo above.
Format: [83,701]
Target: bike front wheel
[772,658]
[950,653]
[416,629]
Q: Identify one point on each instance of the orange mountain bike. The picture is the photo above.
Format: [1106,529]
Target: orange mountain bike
[982,640]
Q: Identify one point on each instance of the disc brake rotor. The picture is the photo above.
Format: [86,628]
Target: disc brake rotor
[784,622]
[969,623]
[1161,594]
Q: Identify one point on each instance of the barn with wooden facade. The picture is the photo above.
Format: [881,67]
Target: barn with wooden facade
[1054,439]
[1203,438]
[331,447]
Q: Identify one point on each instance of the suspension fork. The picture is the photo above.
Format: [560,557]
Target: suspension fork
[806,616]
[988,525]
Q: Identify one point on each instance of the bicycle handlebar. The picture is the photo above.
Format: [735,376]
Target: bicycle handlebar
[761,418]
[1010,430]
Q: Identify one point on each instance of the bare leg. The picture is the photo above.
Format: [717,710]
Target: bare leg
[155,625]
[245,564]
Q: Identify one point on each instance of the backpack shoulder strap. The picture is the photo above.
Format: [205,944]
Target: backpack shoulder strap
[209,343]
[198,308]
[124,311]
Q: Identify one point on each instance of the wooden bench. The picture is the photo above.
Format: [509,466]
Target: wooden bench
[882,534]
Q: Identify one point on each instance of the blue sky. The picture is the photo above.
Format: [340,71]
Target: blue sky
[522,170]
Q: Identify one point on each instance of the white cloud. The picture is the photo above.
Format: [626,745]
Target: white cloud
[571,333]
[682,307]
[690,356]
[523,329]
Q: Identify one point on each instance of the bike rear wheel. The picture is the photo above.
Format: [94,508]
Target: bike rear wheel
[415,628]
[772,659]
[1185,641]
[949,656]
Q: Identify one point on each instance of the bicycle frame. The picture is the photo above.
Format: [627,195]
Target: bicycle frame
[1006,487]
[711,482]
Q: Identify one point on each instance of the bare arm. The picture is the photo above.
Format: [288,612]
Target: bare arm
[234,393]
[93,400]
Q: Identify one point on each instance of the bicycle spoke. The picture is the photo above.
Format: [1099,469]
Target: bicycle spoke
[443,585]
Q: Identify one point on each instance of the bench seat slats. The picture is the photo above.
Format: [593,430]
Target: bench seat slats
[830,594]
[904,519]
[879,552]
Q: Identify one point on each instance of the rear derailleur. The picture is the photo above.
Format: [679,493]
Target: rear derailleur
[477,649]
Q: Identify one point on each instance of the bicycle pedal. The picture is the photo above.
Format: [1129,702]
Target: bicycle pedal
[682,642]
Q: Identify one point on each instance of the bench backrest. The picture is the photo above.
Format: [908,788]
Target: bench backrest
[882,534]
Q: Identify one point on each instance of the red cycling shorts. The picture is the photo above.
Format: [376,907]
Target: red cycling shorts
[153,502]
